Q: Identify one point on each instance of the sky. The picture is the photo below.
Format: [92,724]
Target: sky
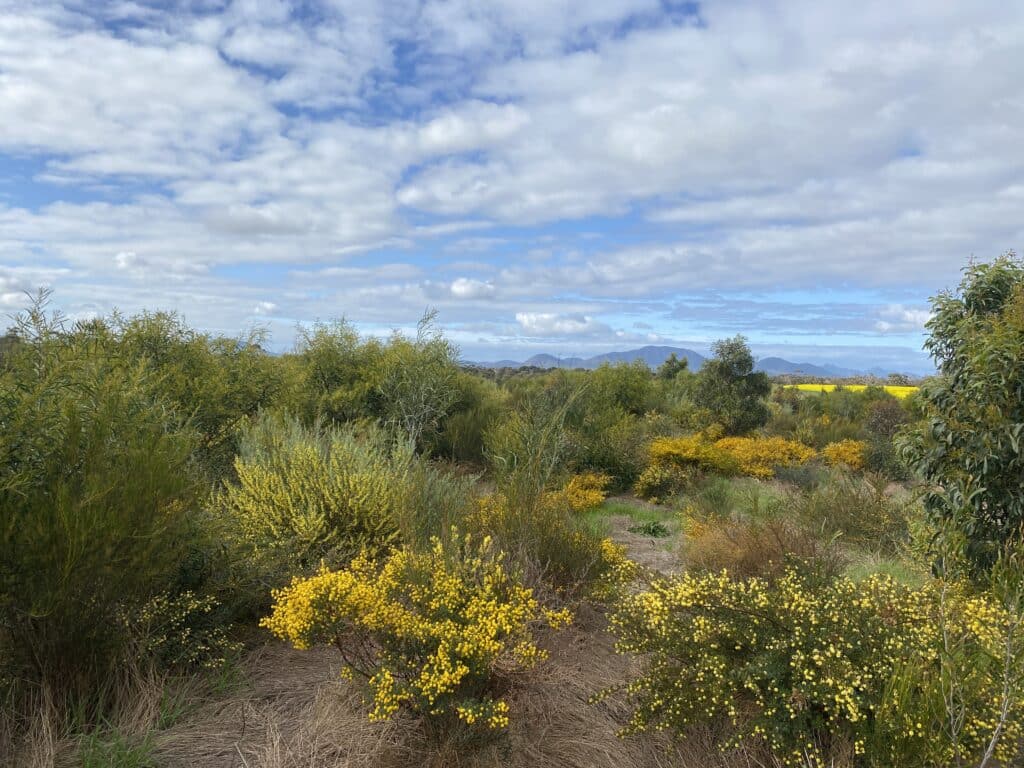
[549,175]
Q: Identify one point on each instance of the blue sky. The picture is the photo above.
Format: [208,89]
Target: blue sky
[557,176]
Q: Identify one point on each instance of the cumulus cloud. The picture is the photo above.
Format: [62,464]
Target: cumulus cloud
[552,324]
[468,288]
[897,318]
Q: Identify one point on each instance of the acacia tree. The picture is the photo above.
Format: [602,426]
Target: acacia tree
[730,389]
[971,446]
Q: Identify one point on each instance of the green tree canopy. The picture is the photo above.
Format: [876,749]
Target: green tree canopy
[728,387]
[971,448]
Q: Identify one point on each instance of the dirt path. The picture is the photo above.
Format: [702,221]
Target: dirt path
[656,554]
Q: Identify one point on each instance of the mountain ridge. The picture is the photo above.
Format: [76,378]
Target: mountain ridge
[653,356]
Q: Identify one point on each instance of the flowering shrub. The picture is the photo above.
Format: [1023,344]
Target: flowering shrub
[583,492]
[179,631]
[798,663]
[754,456]
[851,453]
[433,632]
[659,481]
[758,456]
[304,494]
[693,451]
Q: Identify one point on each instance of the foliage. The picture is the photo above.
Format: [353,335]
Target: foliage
[304,494]
[754,456]
[748,546]
[728,388]
[848,453]
[693,451]
[799,663]
[972,697]
[95,486]
[583,493]
[438,632]
[179,631]
[478,405]
[660,481]
[971,449]
[653,528]
[758,456]
[859,509]
[417,385]
[409,384]
[213,382]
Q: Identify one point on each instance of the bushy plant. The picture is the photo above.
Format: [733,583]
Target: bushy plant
[95,488]
[179,631]
[799,663]
[847,453]
[970,448]
[859,509]
[660,481]
[582,493]
[750,546]
[729,390]
[759,456]
[304,494]
[439,633]
[696,452]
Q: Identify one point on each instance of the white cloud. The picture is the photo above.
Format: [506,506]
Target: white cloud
[552,324]
[897,318]
[468,288]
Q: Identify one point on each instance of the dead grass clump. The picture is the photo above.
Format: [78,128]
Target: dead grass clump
[748,547]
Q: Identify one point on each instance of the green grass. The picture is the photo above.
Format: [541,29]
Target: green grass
[597,519]
[867,564]
[112,749]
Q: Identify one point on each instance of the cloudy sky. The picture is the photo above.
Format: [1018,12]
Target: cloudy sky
[551,175]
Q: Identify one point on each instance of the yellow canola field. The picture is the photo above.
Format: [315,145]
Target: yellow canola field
[900,392]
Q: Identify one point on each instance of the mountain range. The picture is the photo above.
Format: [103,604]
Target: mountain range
[654,356]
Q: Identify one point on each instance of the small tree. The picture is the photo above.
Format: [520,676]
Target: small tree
[672,367]
[971,447]
[731,390]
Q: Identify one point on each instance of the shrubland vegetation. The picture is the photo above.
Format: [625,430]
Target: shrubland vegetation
[791,577]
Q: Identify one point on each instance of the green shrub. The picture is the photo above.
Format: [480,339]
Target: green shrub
[860,510]
[306,494]
[95,486]
[799,664]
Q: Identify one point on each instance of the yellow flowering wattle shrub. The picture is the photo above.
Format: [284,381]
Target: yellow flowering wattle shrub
[758,456]
[813,667]
[303,494]
[799,663]
[435,632]
[582,492]
[754,456]
[693,451]
[851,453]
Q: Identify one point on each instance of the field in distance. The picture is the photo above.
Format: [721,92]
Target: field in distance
[895,391]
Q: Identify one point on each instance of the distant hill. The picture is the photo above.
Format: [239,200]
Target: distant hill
[775,366]
[654,356]
[651,356]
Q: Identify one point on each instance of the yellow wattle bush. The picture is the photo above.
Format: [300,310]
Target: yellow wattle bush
[693,451]
[582,492]
[303,494]
[758,456]
[434,632]
[851,453]
[754,456]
